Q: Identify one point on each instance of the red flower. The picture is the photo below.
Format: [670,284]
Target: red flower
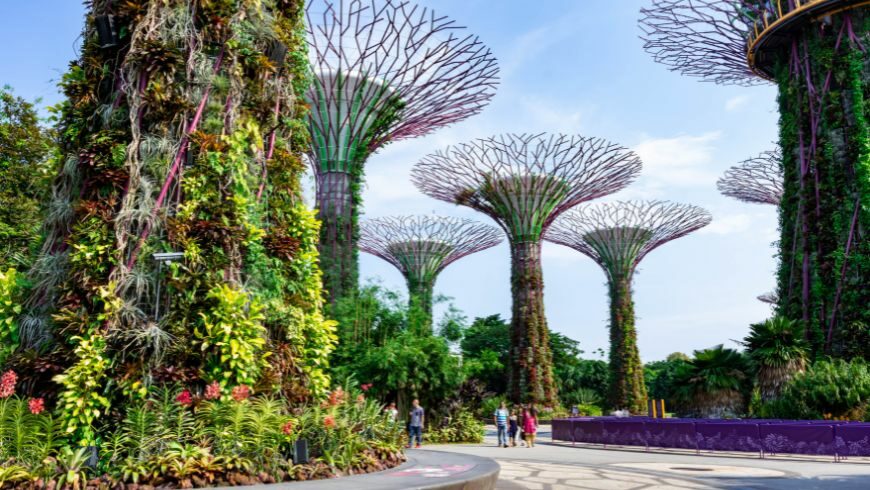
[329,421]
[7,384]
[213,391]
[336,396]
[184,398]
[36,406]
[241,393]
[287,428]
[366,387]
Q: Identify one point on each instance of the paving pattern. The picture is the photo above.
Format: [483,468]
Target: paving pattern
[548,476]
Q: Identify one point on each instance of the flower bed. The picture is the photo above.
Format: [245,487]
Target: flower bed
[177,438]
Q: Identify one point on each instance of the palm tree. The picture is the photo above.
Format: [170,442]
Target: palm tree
[779,350]
[712,383]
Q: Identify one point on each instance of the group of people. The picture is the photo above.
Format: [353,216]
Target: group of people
[510,426]
[512,429]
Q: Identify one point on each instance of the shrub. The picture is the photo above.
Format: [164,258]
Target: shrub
[464,427]
[831,389]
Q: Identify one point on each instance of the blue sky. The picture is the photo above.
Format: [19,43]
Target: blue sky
[567,66]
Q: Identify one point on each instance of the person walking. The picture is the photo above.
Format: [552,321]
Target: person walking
[513,428]
[392,412]
[500,418]
[415,425]
[530,426]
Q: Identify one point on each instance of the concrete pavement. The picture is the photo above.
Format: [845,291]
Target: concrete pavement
[561,466]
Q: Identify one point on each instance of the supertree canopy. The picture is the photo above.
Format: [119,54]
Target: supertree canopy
[384,70]
[421,247]
[169,258]
[815,52]
[524,182]
[618,236]
[757,180]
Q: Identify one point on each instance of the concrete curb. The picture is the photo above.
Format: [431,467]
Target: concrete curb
[424,470]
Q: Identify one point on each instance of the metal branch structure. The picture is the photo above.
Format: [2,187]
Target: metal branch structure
[757,180]
[524,182]
[815,51]
[423,246]
[384,70]
[617,236]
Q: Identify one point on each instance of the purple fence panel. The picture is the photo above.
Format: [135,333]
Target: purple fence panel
[677,434]
[853,439]
[728,436]
[590,431]
[798,439]
[626,432]
[562,429]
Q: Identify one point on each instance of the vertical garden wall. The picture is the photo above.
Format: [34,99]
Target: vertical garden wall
[825,213]
[178,249]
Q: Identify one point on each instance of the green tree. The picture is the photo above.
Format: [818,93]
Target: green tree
[661,377]
[779,350]
[25,147]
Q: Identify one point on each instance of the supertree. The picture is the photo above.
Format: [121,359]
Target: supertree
[618,236]
[384,70]
[421,247]
[162,232]
[814,51]
[757,180]
[524,182]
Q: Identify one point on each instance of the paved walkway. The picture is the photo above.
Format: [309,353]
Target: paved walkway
[424,470]
[559,466]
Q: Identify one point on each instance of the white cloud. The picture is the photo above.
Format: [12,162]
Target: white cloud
[728,224]
[679,161]
[735,103]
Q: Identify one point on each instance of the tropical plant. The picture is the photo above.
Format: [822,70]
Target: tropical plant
[713,383]
[779,350]
[82,401]
[661,377]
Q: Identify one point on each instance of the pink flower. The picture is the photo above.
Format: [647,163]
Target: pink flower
[360,399]
[36,406]
[241,393]
[7,384]
[366,387]
[329,421]
[213,391]
[184,398]
[287,428]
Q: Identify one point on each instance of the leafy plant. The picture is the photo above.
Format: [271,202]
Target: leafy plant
[82,400]
[829,389]
[232,335]
[10,308]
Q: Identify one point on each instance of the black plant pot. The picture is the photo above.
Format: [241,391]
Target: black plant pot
[277,52]
[106,32]
[300,451]
[93,457]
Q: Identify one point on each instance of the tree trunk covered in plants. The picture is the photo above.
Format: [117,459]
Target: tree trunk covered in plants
[182,132]
[824,247]
[531,370]
[337,201]
[420,293]
[627,388]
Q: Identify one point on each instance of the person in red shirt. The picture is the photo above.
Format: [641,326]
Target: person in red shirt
[530,426]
